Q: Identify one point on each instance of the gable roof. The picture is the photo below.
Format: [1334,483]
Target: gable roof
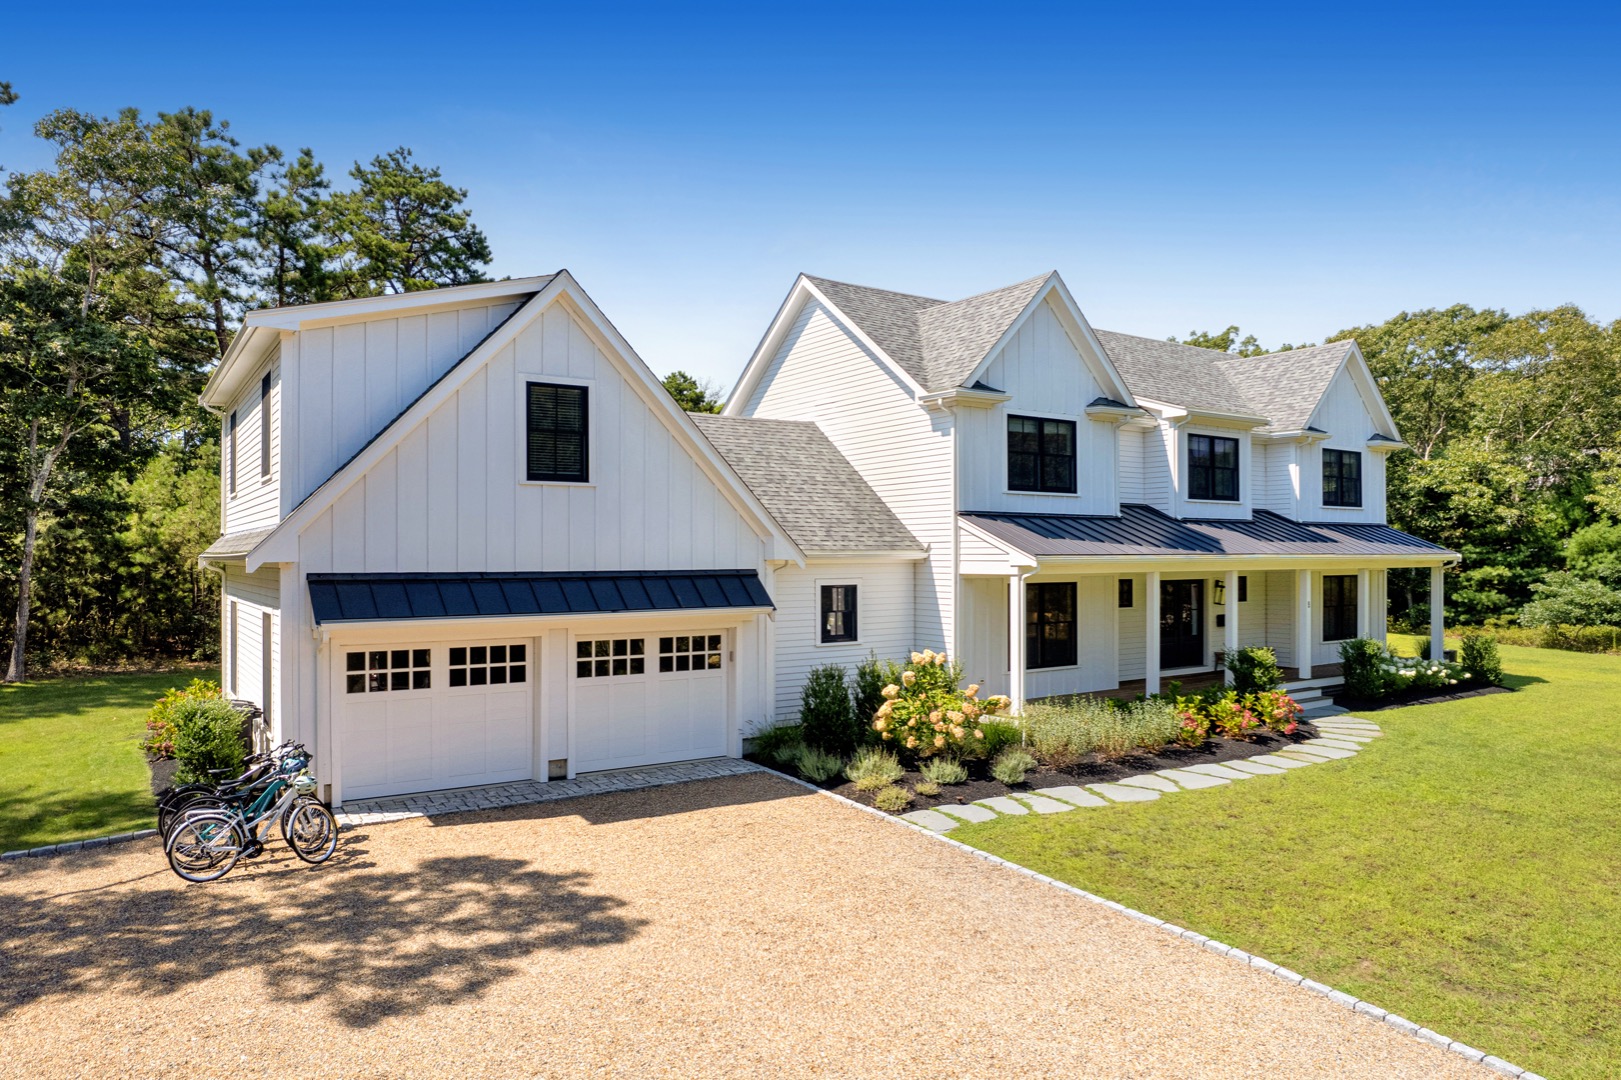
[1285,387]
[809,487]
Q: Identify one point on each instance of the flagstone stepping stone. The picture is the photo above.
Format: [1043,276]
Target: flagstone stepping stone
[1121,793]
[1348,725]
[1343,744]
[1249,765]
[1219,770]
[1192,780]
[1003,805]
[1079,796]
[1359,733]
[1152,783]
[929,819]
[1321,753]
[1341,736]
[969,812]
[1045,806]
[1282,762]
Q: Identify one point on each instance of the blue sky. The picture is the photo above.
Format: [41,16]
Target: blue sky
[1294,171]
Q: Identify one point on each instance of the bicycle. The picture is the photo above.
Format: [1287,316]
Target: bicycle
[174,801]
[206,842]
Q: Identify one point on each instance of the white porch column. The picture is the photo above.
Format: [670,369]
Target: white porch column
[1438,640]
[1303,623]
[1015,643]
[1151,642]
[1364,604]
[1229,640]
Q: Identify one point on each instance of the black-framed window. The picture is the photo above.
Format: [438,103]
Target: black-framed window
[264,425]
[693,652]
[1339,607]
[376,671]
[557,423]
[1040,455]
[1049,624]
[1126,597]
[607,657]
[230,457]
[489,665]
[1212,467]
[1243,588]
[838,613]
[1342,478]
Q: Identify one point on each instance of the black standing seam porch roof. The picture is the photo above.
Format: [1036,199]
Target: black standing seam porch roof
[1143,530]
[373,597]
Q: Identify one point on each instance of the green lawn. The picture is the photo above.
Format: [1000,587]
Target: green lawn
[1463,871]
[70,760]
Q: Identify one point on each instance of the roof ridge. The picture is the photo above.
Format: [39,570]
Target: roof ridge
[875,288]
[998,289]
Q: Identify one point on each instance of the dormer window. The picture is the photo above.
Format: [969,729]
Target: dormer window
[1212,468]
[1041,455]
[556,436]
[1342,478]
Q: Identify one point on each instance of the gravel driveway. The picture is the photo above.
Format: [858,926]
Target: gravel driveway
[735,927]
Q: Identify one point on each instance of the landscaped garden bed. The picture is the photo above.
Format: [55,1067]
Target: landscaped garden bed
[1377,677]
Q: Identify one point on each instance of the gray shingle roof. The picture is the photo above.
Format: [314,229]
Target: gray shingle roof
[809,487]
[235,545]
[1286,386]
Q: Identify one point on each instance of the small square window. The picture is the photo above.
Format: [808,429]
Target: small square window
[582,648]
[603,647]
[516,653]
[399,680]
[601,667]
[621,646]
[714,641]
[478,654]
[666,644]
[666,663]
[498,675]
[478,676]
[636,646]
[400,658]
[357,684]
[419,680]
[378,661]
[638,665]
[498,654]
[458,676]
[621,666]
[714,659]
[377,681]
[582,669]
[356,661]
[683,662]
[421,658]
[515,673]
[683,644]
[458,657]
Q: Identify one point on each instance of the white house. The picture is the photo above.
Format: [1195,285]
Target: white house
[467,537]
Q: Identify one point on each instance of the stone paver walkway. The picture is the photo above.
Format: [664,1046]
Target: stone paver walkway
[491,796]
[1340,737]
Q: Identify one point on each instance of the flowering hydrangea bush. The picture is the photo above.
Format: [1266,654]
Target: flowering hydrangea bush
[1409,672]
[927,714]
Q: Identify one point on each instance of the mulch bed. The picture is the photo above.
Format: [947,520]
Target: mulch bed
[1414,697]
[1092,770]
[163,770]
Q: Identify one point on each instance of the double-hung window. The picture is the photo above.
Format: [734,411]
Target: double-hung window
[1339,607]
[264,425]
[838,613]
[556,433]
[1342,478]
[1041,455]
[1212,468]
[1049,624]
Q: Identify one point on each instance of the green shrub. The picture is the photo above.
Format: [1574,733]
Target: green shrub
[1063,732]
[944,770]
[926,787]
[893,799]
[780,745]
[1362,663]
[1478,655]
[1011,765]
[998,735]
[872,675]
[827,717]
[207,735]
[1254,669]
[925,714]
[160,731]
[818,766]
[874,768]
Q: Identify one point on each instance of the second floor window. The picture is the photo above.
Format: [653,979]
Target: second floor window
[1212,468]
[1040,455]
[556,423]
[1342,478]
[264,425]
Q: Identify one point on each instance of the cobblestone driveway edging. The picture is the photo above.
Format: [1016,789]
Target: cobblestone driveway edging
[77,845]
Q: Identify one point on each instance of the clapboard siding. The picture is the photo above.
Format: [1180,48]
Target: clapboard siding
[1133,480]
[1275,478]
[883,620]
[821,373]
[451,496]
[351,380]
[1158,448]
[1349,421]
[1045,374]
[1132,624]
[1280,614]
[1097,647]
[253,595]
[256,503]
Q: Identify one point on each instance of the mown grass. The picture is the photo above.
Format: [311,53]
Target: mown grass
[1464,871]
[71,766]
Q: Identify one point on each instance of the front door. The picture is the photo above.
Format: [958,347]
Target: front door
[1181,624]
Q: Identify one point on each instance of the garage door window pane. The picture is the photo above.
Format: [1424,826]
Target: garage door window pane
[516,654]
[378,671]
[490,665]
[458,657]
[356,661]
[610,657]
[696,652]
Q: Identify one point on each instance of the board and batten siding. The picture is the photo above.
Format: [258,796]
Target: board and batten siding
[254,596]
[1349,421]
[257,502]
[1047,377]
[452,495]
[883,620]
[902,450]
[347,382]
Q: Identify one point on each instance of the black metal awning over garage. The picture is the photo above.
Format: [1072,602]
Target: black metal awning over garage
[380,597]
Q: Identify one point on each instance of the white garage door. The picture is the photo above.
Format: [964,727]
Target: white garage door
[432,716]
[642,699]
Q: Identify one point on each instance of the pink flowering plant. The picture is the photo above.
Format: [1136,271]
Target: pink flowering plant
[1277,710]
[1235,716]
[926,713]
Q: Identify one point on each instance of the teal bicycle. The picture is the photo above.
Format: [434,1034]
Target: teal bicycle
[208,840]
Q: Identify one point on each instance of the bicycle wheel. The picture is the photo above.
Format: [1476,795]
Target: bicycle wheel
[197,800]
[205,845]
[177,801]
[311,831]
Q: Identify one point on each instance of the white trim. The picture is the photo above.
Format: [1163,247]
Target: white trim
[340,631]
[860,584]
[1075,325]
[1367,389]
[520,395]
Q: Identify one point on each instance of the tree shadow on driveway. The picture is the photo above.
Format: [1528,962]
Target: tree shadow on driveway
[368,944]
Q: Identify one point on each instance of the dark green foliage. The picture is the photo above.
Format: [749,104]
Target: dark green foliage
[1362,664]
[693,395]
[1478,654]
[999,734]
[1255,668]
[827,717]
[207,735]
[872,675]
[779,745]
